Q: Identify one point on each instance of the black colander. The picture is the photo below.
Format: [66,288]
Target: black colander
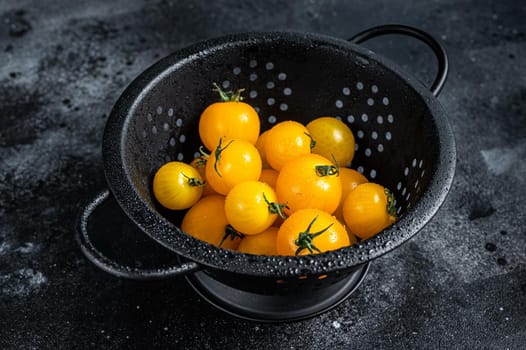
[403,141]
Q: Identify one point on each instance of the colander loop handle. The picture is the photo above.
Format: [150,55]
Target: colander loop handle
[426,38]
[111,266]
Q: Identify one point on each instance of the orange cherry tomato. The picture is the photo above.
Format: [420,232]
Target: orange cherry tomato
[334,139]
[310,231]
[177,185]
[286,141]
[309,181]
[232,162]
[260,145]
[230,119]
[350,179]
[269,176]
[251,207]
[368,209]
[207,221]
[263,243]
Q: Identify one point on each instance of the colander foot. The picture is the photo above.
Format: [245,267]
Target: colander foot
[275,308]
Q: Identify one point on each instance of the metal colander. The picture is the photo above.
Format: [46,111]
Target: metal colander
[403,141]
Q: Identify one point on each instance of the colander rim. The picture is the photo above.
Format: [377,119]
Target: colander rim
[169,235]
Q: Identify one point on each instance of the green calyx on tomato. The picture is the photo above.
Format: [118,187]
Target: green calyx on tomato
[312,141]
[391,208]
[304,240]
[327,170]
[193,181]
[275,208]
[231,234]
[228,96]
[219,149]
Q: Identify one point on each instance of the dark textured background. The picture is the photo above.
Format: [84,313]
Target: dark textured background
[460,283]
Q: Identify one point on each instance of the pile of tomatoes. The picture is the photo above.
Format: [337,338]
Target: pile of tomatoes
[285,191]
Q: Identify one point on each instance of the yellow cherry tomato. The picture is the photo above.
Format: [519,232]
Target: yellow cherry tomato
[230,119]
[334,139]
[350,179]
[177,185]
[309,181]
[286,141]
[310,231]
[232,162]
[368,209]
[263,243]
[251,207]
[207,221]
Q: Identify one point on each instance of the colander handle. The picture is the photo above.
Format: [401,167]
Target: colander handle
[426,38]
[113,267]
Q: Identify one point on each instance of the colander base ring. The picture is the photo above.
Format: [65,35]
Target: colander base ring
[275,308]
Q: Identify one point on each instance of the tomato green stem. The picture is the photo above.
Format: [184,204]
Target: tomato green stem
[327,170]
[201,162]
[276,208]
[230,232]
[217,154]
[228,96]
[193,181]
[203,153]
[312,141]
[391,203]
[305,239]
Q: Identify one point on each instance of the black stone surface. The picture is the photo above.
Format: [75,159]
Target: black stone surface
[460,283]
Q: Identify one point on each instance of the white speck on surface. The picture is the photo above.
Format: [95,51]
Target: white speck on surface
[494,100]
[336,324]
[501,308]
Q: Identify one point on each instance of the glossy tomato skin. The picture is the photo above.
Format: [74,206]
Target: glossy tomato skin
[177,185]
[329,233]
[263,243]
[206,220]
[350,180]
[229,119]
[260,145]
[232,162]
[334,139]
[366,210]
[300,185]
[286,141]
[248,207]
